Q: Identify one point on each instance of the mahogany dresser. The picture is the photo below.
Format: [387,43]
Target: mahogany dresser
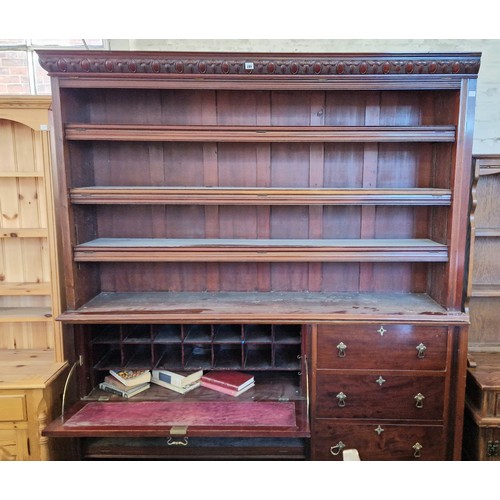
[301,217]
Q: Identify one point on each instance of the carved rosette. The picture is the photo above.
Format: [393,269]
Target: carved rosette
[196,64]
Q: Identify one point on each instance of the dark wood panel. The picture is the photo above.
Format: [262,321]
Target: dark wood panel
[255,276]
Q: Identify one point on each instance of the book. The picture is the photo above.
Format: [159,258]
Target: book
[179,379]
[180,390]
[229,379]
[128,393]
[226,390]
[131,378]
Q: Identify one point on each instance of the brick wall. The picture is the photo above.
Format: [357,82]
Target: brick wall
[14,76]
[20,72]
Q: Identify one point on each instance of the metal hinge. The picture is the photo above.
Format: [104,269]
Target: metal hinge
[492,448]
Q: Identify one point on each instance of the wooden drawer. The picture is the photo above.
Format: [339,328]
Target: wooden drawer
[398,347]
[12,407]
[379,395]
[481,439]
[378,441]
[195,449]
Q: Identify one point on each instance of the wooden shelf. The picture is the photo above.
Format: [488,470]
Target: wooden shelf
[259,307]
[19,174]
[488,232]
[485,290]
[101,132]
[24,288]
[17,232]
[260,250]
[105,195]
[25,314]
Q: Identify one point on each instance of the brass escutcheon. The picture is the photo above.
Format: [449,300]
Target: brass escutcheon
[341,350]
[416,450]
[419,398]
[341,397]
[421,348]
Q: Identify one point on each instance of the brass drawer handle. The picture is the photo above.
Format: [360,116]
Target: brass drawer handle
[421,348]
[416,450]
[380,381]
[419,398]
[381,330]
[335,450]
[341,397]
[341,350]
[177,442]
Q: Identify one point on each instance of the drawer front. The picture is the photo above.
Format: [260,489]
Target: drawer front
[12,407]
[378,441]
[480,442]
[195,448]
[398,347]
[379,395]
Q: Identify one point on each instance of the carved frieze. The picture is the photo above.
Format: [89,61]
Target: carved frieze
[168,63]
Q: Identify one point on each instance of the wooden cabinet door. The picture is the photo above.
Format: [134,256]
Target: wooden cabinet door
[13,444]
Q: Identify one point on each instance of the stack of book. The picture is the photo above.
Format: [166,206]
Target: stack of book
[228,382]
[180,382]
[126,383]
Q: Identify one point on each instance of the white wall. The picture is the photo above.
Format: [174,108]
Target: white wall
[487,126]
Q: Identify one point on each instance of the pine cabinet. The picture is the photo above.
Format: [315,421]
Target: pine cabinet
[32,360]
[31,388]
[302,217]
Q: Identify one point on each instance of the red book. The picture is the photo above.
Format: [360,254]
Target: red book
[232,380]
[226,390]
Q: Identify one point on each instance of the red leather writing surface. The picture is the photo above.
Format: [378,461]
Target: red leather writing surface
[158,413]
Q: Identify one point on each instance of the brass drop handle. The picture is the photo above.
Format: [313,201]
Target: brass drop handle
[421,348]
[419,398]
[416,450]
[341,397]
[335,450]
[177,442]
[341,350]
